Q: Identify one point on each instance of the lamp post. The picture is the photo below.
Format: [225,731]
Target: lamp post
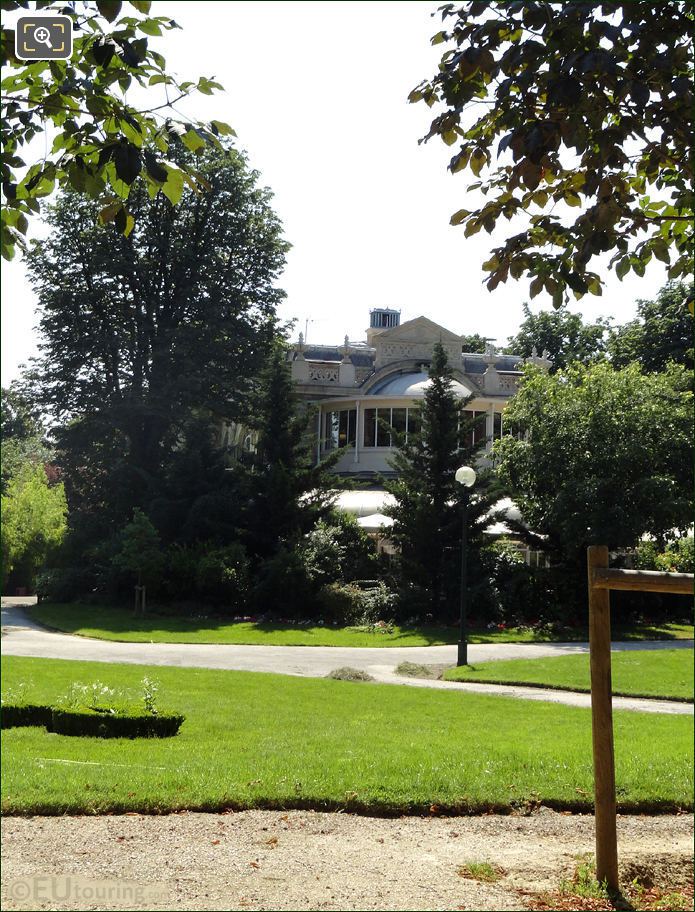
[465,476]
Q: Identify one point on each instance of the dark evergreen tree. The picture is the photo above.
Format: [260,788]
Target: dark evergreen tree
[289,491]
[428,512]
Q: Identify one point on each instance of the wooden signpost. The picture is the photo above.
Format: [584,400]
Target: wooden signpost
[601,581]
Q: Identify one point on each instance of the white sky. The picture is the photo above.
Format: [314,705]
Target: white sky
[317,95]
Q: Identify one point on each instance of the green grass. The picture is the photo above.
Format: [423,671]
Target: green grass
[261,740]
[643,673]
[114,623]
[482,871]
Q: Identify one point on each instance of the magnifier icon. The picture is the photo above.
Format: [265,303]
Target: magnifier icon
[43,36]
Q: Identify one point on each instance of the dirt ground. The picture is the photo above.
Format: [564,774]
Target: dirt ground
[271,860]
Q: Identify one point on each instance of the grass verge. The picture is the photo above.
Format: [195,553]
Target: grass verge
[666,673]
[268,741]
[117,623]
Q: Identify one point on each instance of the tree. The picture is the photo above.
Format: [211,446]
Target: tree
[606,456]
[427,512]
[139,331]
[474,343]
[288,491]
[23,436]
[33,524]
[563,334]
[662,332]
[140,555]
[103,146]
[583,104]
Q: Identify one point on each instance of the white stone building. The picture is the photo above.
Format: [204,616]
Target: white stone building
[356,386]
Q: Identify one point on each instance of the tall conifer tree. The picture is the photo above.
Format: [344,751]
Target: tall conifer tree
[428,507]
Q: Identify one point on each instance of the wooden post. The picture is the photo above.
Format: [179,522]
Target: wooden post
[602,722]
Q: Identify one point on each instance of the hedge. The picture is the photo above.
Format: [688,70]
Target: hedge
[26,714]
[92,724]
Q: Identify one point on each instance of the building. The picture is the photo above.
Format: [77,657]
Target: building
[358,386]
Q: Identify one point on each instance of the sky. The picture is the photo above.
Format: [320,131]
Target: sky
[317,93]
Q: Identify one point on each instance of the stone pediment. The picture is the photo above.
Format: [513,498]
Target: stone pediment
[415,340]
[421,329]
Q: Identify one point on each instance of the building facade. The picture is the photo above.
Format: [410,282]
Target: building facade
[359,387]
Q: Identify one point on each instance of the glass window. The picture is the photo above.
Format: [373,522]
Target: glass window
[370,427]
[413,421]
[398,422]
[346,427]
[468,432]
[331,430]
[352,426]
[480,432]
[383,435]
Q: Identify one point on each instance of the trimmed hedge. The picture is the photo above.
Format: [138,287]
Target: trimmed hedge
[102,725]
[27,714]
[92,724]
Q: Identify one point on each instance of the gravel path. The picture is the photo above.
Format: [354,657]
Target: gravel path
[24,637]
[270,860]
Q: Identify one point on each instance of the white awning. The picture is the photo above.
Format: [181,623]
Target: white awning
[375,523]
[363,503]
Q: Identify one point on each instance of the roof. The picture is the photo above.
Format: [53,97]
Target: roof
[413,384]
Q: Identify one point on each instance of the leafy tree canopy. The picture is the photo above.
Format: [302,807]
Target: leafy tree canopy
[22,434]
[662,332]
[474,343]
[606,455]
[104,146]
[138,331]
[33,523]
[583,104]
[563,334]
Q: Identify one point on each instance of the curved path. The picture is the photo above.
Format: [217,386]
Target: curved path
[24,637]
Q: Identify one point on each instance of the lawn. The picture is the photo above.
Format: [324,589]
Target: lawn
[643,673]
[261,740]
[114,623]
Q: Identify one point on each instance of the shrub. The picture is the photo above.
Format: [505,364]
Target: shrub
[323,554]
[378,604]
[283,586]
[515,594]
[27,714]
[648,607]
[222,577]
[677,557]
[103,724]
[65,584]
[340,604]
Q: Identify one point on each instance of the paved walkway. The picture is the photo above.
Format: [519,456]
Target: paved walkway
[23,637]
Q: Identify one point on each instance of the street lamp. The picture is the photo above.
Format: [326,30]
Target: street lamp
[465,476]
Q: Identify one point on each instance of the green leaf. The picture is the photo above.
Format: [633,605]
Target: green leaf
[459,217]
[478,159]
[222,128]
[192,140]
[536,286]
[150,27]
[173,188]
[142,6]
[109,9]
[109,213]
[659,248]
[622,268]
[128,162]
